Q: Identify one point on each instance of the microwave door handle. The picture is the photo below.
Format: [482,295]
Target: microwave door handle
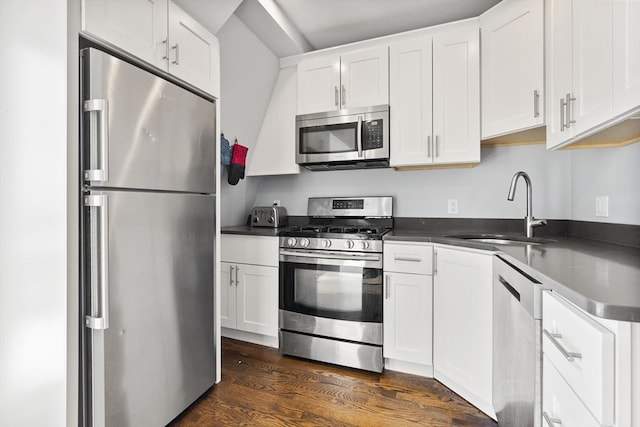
[359,136]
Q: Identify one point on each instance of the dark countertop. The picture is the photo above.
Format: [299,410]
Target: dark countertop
[601,278]
[252,231]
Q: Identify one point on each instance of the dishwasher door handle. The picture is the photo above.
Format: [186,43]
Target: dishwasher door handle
[510,288]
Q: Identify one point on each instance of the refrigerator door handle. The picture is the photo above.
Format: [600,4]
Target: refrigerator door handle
[99,317]
[98,139]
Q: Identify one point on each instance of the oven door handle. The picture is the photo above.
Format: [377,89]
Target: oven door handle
[319,255]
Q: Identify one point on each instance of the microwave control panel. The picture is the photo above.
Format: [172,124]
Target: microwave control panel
[372,135]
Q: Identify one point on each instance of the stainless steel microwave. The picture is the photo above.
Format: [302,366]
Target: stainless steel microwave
[343,139]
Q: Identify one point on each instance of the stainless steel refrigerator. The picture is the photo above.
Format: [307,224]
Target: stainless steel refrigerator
[148,165]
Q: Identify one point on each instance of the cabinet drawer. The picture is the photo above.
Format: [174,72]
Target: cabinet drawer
[560,405]
[408,258]
[245,249]
[582,350]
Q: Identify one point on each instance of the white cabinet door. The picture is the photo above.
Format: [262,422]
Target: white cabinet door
[407,317]
[193,51]
[227,295]
[512,67]
[592,64]
[579,67]
[410,98]
[456,97]
[274,153]
[558,69]
[257,299]
[462,324]
[136,26]
[626,55]
[318,84]
[364,78]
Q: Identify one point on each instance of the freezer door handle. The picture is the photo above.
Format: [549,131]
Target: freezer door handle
[99,253]
[98,139]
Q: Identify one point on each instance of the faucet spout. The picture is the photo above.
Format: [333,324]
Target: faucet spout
[529,220]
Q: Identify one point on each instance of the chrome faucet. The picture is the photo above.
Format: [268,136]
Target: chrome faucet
[529,220]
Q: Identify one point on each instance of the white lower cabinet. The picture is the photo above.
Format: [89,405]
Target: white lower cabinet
[462,323]
[248,290]
[408,302]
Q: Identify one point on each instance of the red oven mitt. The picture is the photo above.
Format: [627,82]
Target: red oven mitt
[235,171]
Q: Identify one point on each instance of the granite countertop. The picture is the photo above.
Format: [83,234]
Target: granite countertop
[601,278]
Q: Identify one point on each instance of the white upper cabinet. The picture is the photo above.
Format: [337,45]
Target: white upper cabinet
[410,98]
[136,26]
[193,51]
[274,153]
[626,55]
[579,67]
[435,99]
[456,97]
[512,35]
[160,33]
[334,82]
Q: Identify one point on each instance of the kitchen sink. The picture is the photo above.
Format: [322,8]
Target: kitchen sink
[503,239]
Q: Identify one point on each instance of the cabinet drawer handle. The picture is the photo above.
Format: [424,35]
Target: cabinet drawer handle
[551,422]
[568,101]
[336,96]
[562,108]
[177,49]
[567,354]
[344,95]
[231,276]
[536,103]
[429,146]
[237,271]
[408,259]
[437,146]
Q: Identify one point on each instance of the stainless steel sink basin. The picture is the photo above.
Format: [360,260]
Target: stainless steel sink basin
[503,239]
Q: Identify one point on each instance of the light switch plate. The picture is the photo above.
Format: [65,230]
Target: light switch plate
[602,206]
[452,206]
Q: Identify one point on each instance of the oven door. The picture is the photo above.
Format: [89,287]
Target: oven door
[332,285]
[326,137]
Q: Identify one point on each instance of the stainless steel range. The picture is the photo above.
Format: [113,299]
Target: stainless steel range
[331,282]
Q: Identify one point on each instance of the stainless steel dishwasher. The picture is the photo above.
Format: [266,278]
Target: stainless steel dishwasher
[517,346]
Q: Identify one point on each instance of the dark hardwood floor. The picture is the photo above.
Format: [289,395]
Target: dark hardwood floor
[261,388]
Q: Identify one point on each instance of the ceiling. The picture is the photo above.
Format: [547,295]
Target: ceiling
[290,27]
[328,23]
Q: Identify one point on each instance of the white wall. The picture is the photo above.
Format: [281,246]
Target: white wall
[613,172]
[248,74]
[481,191]
[33,212]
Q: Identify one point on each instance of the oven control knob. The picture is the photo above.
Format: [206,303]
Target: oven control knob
[348,244]
[326,243]
[304,242]
[291,241]
[364,244]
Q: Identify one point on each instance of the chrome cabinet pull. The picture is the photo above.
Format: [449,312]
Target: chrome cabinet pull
[359,136]
[98,139]
[429,146]
[336,95]
[387,293]
[562,108]
[237,271]
[177,48]
[344,96]
[435,262]
[437,146]
[231,276]
[536,103]
[551,422]
[567,354]
[408,259]
[165,42]
[567,103]
[99,274]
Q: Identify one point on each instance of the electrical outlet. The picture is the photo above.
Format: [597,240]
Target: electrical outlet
[602,206]
[452,206]
[276,203]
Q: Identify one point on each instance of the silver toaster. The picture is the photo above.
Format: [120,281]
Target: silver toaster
[268,216]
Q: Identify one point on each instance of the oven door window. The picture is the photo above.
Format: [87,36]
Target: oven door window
[338,138]
[330,291]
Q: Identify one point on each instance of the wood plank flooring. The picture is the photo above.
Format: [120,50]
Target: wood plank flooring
[261,388]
